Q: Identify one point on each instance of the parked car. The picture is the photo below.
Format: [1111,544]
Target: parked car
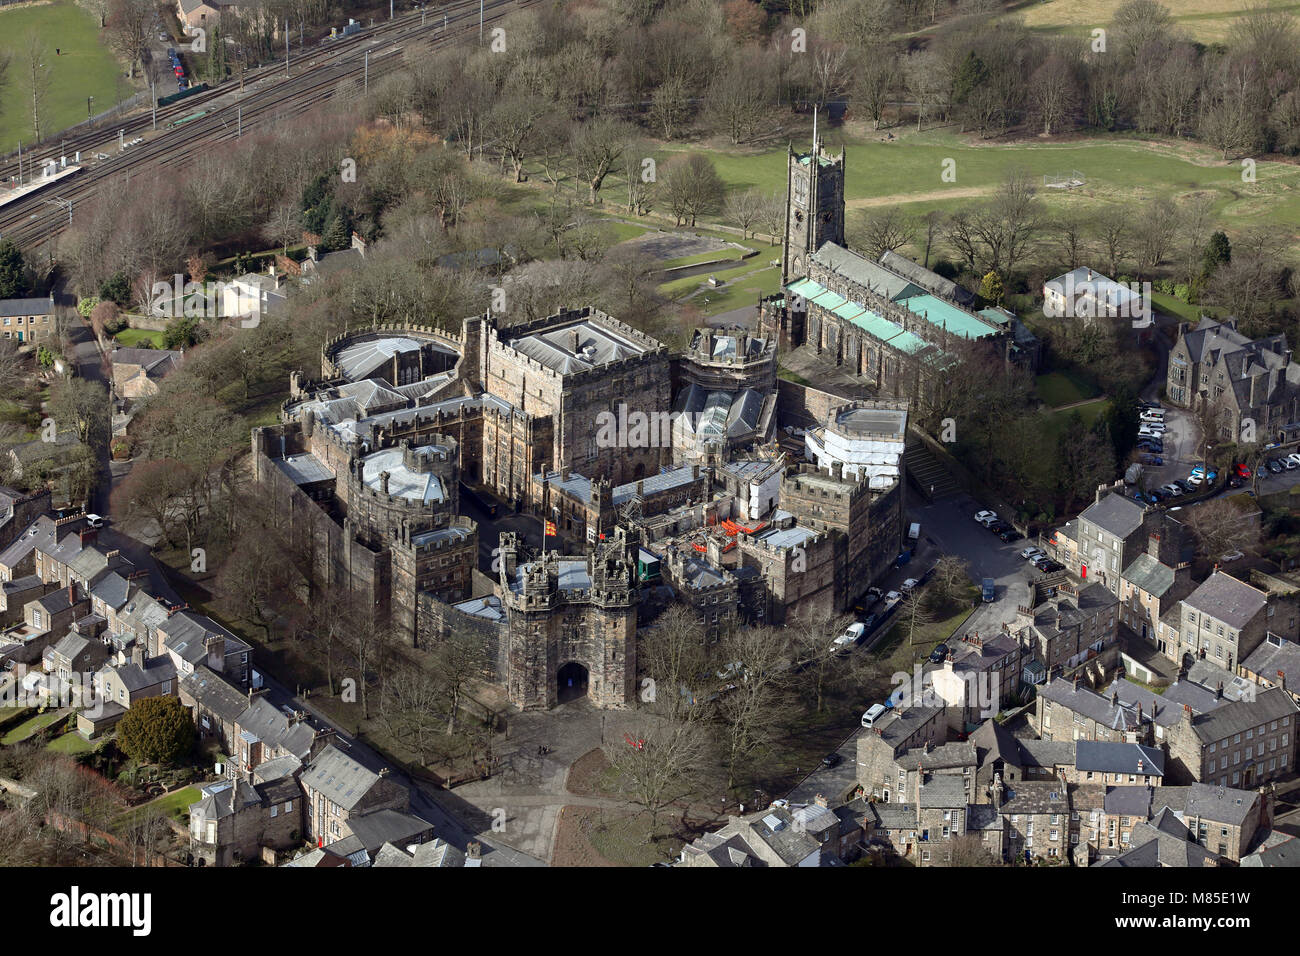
[1235,482]
[984,517]
[910,585]
[94,521]
[892,598]
[874,713]
[1232,556]
[1173,490]
[831,760]
[1051,567]
[1152,460]
[1011,534]
[988,590]
[868,624]
[852,634]
[1030,553]
[1186,485]
[938,654]
[1151,445]
[1292,461]
[1241,470]
[1155,495]
[1039,560]
[1273,466]
[1199,471]
[997,527]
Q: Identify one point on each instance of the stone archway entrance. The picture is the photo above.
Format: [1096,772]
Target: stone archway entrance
[571,682]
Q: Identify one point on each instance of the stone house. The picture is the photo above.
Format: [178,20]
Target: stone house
[137,372]
[771,837]
[29,321]
[1274,663]
[1251,387]
[1116,763]
[1112,534]
[338,790]
[1223,620]
[238,821]
[1243,743]
[1037,818]
[1064,627]
[894,734]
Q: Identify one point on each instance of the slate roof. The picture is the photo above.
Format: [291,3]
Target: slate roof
[214,694]
[943,791]
[1283,852]
[1154,845]
[39,532]
[1220,804]
[1047,797]
[340,778]
[884,282]
[70,645]
[372,830]
[1224,598]
[1101,756]
[154,672]
[113,589]
[1147,574]
[1275,654]
[1237,716]
[1115,515]
[925,278]
[33,306]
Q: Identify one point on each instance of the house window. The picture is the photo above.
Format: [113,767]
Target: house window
[275,810]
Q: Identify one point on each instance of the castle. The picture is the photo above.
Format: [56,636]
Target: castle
[643,462]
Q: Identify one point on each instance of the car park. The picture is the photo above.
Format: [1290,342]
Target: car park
[1030,553]
[984,517]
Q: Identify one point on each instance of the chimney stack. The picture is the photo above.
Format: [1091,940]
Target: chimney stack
[72,593]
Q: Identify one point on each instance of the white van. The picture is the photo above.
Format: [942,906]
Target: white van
[873,714]
[914,531]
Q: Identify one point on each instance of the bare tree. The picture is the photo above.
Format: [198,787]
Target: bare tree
[128,24]
[915,611]
[672,655]
[743,209]
[772,215]
[663,762]
[749,710]
[38,74]
[691,186]
[969,850]
[1114,232]
[597,148]
[1219,529]
[456,660]
[812,644]
[885,230]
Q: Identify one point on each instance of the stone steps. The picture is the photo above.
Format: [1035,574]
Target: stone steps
[930,476]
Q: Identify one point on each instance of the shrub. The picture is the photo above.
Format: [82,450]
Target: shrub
[156,729]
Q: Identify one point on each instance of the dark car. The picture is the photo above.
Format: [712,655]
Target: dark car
[938,654]
[1011,534]
[1049,567]
[1274,466]
[1235,482]
[868,624]
[998,525]
[1156,495]
[831,760]
[1186,485]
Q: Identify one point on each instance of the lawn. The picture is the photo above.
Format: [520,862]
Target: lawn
[898,653]
[31,726]
[131,338]
[1054,422]
[84,67]
[1178,308]
[71,743]
[1065,388]
[175,804]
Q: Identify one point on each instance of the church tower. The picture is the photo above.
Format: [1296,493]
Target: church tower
[814,207]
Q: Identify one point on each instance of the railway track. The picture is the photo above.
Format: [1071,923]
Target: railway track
[222,115]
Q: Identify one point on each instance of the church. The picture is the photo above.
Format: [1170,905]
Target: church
[893,323]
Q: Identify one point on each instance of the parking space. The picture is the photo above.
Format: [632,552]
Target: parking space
[949,525]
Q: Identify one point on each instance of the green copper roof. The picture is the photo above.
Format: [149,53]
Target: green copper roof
[945,315]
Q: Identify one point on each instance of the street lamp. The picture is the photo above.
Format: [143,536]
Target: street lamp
[89,100]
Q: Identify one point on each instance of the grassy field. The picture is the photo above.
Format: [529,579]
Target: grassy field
[1065,388]
[1205,20]
[84,67]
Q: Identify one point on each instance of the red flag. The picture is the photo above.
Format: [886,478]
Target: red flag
[550,529]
